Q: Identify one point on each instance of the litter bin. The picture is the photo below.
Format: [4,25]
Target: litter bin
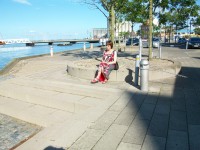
[144,75]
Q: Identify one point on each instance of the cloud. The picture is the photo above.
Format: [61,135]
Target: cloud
[26,2]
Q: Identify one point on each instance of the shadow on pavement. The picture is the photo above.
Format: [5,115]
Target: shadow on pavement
[169,119]
[53,148]
[196,57]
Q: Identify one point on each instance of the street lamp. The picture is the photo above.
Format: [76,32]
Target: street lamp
[191,25]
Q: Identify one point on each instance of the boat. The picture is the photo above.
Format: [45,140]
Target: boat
[2,43]
[64,44]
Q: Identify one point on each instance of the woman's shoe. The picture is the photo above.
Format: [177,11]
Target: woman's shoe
[95,80]
[105,81]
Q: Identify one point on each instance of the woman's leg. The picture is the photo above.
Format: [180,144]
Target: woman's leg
[108,71]
[96,79]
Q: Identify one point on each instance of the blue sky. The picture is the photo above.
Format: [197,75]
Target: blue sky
[55,18]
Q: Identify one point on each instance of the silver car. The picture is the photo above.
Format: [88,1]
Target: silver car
[155,43]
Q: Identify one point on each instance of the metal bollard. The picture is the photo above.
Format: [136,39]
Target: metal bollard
[137,65]
[51,51]
[160,51]
[91,46]
[140,48]
[84,47]
[186,45]
[144,75]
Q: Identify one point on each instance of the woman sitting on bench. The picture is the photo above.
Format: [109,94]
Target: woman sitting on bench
[107,64]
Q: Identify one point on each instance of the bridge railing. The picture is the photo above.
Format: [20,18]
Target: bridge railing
[13,41]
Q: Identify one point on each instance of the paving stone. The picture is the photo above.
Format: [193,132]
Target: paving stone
[130,109]
[178,93]
[124,119]
[193,117]
[154,143]
[140,96]
[178,121]
[128,146]
[177,140]
[193,108]
[122,102]
[162,109]
[167,92]
[136,132]
[192,100]
[151,98]
[194,136]
[112,138]
[87,140]
[146,111]
[159,125]
[104,122]
[140,122]
[178,104]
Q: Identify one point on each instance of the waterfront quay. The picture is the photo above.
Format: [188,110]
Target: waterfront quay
[75,114]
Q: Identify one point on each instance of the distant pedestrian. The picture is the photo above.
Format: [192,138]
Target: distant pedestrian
[107,64]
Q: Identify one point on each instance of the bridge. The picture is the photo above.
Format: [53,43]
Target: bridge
[50,42]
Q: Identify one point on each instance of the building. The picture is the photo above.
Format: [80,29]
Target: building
[119,28]
[99,33]
[123,27]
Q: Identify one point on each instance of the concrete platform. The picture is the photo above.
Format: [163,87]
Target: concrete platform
[159,68]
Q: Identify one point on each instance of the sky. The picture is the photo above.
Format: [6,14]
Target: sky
[20,18]
[49,18]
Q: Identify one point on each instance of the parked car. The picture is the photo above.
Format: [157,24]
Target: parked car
[132,41]
[182,40]
[155,42]
[194,42]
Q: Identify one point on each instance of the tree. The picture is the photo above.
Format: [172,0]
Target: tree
[108,8]
[134,11]
[177,12]
[150,27]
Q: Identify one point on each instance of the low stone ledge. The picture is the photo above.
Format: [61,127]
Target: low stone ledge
[86,69]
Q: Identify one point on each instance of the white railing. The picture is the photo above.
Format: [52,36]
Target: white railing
[12,41]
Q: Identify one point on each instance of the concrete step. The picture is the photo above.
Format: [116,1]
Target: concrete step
[52,99]
[64,87]
[64,109]
[36,100]
[35,114]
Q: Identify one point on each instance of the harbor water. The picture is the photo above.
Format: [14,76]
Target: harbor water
[11,51]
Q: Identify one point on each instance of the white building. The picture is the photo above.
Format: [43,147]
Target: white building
[123,27]
[120,27]
[99,33]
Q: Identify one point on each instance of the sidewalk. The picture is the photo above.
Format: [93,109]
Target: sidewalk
[114,116]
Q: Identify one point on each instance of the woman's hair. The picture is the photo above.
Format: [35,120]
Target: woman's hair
[109,43]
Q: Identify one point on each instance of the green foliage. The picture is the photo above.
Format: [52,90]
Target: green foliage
[197,31]
[178,12]
[124,34]
[197,21]
[135,11]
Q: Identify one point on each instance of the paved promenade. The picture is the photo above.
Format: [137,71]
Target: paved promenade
[76,115]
